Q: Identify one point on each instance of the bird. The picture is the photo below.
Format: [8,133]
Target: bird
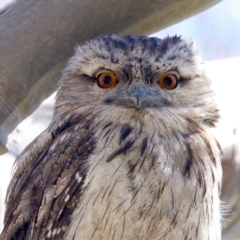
[129,153]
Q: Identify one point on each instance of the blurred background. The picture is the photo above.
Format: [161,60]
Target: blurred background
[217,35]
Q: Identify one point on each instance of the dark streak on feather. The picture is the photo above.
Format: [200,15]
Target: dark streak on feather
[174,222]
[132,166]
[213,177]
[189,160]
[107,125]
[144,145]
[140,167]
[122,150]
[125,131]
[189,210]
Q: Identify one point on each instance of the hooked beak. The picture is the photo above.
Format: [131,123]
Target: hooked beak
[138,97]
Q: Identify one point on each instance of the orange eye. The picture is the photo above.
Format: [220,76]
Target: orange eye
[107,80]
[168,81]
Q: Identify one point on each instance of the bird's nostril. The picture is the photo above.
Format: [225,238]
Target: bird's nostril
[142,92]
[138,90]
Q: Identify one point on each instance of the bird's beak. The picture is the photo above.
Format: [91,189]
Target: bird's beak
[138,97]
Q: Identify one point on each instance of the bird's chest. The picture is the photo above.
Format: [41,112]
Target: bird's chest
[135,190]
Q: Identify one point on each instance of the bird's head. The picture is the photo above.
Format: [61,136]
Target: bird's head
[136,75]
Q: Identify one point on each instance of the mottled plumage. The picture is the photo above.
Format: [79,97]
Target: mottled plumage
[132,161]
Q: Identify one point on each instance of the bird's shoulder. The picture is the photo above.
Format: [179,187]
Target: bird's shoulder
[47,180]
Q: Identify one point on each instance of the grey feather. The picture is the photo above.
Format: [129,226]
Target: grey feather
[133,161]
